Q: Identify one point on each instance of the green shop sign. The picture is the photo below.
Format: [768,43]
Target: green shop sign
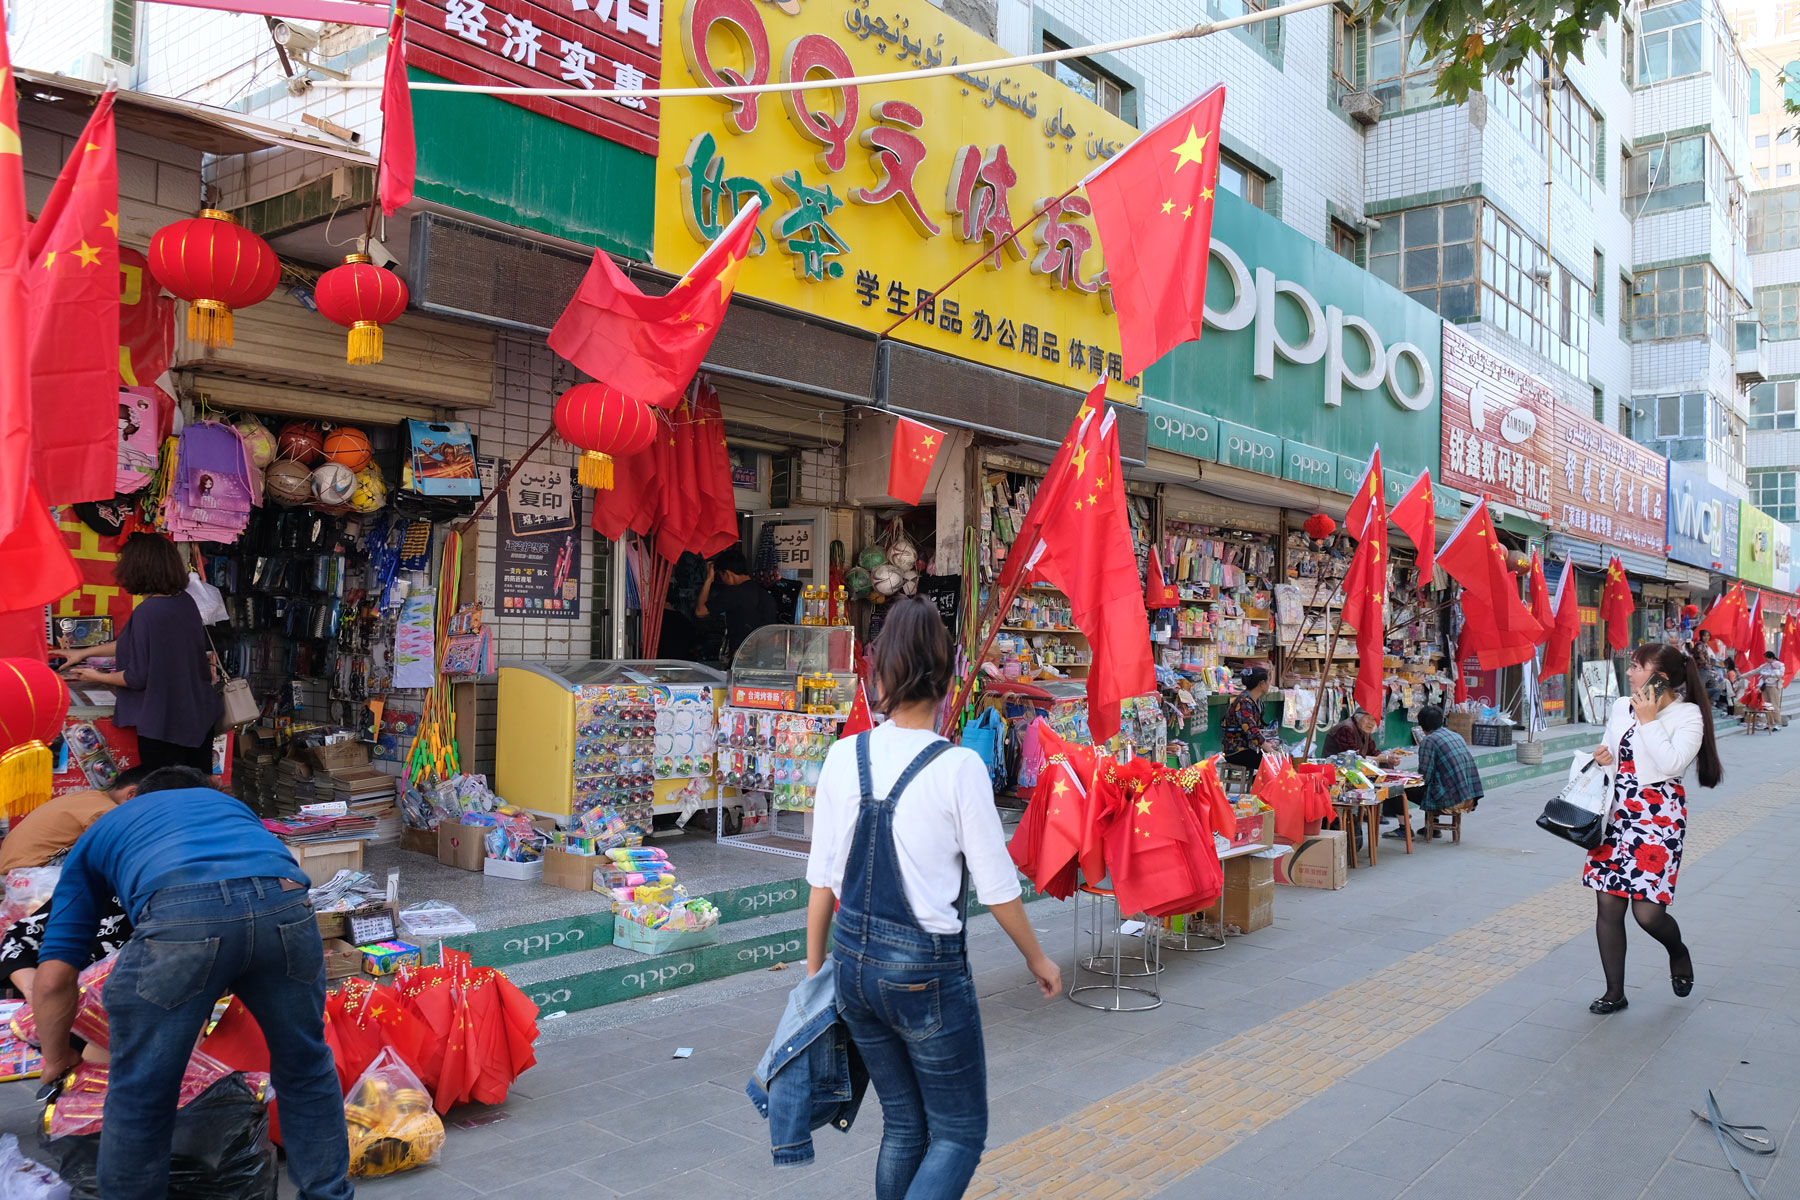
[1308,464]
[1756,545]
[1249,449]
[1307,346]
[1182,430]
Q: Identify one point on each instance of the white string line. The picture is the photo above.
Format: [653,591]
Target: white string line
[801,85]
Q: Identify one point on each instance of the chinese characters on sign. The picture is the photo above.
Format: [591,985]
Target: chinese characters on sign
[875,199]
[537,567]
[793,548]
[1607,488]
[599,45]
[1498,426]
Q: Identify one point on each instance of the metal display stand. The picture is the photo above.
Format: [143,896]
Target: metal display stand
[1190,942]
[1107,958]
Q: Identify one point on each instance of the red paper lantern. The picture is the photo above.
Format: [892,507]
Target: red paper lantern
[362,298]
[603,422]
[1518,563]
[1690,611]
[1319,527]
[217,266]
[33,702]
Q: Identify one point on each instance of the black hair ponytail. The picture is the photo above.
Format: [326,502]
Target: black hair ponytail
[1707,763]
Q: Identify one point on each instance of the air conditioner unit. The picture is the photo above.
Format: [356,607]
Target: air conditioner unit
[98,68]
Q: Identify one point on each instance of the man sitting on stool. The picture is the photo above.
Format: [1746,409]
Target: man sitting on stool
[1451,778]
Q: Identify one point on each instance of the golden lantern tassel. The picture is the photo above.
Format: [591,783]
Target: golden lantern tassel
[596,471]
[365,343]
[209,323]
[25,777]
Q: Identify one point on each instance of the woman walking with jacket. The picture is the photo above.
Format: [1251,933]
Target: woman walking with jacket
[1652,737]
[902,822]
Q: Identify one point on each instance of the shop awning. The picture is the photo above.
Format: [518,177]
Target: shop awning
[1587,554]
[1693,578]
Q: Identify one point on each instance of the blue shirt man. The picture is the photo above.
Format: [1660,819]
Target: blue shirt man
[217,905]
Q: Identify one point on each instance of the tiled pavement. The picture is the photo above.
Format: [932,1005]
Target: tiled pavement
[1421,1033]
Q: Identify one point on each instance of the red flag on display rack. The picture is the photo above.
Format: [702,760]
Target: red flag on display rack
[399,154]
[651,346]
[1417,519]
[74,321]
[1356,518]
[1365,589]
[1158,591]
[1498,631]
[15,361]
[1729,615]
[1616,606]
[1153,206]
[915,448]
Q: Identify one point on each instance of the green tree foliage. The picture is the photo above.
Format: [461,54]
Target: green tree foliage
[1473,40]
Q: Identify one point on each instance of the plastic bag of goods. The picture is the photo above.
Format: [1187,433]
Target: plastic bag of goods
[392,1126]
[22,1178]
[27,889]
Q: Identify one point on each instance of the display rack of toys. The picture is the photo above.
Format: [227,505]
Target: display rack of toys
[615,740]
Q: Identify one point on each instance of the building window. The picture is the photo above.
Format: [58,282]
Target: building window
[1600,404]
[1675,302]
[1666,176]
[1627,51]
[1242,179]
[1574,130]
[1691,427]
[1756,100]
[1091,82]
[1669,42]
[1776,493]
[1790,85]
[1430,254]
[1531,296]
[1762,141]
[1346,75]
[1624,425]
[1264,35]
[1600,151]
[1784,170]
[124,31]
[1598,311]
[1778,308]
[1625,308]
[1762,173]
[1774,221]
[1772,405]
[1345,242]
[1519,97]
[1399,73]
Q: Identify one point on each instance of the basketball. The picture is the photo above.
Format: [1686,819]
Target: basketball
[301,442]
[347,446]
[288,482]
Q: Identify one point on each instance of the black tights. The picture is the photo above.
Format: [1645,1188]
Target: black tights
[1653,919]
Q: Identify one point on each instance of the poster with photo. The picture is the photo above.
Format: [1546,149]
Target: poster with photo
[537,564]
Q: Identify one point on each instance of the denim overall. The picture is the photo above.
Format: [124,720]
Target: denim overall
[908,999]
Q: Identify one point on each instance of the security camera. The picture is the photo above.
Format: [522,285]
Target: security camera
[296,38]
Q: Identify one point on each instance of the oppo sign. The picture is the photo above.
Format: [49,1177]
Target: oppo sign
[1326,328]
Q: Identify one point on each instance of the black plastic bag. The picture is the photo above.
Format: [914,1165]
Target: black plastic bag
[220,1150]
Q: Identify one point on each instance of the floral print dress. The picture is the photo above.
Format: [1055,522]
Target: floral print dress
[1641,855]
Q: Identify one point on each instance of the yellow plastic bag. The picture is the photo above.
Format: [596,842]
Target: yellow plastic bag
[390,1121]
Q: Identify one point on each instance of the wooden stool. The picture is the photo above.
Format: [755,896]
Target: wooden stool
[1447,820]
[1758,718]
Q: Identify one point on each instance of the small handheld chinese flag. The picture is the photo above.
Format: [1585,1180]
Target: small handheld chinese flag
[915,448]
[1616,606]
[1153,206]
[399,153]
[1417,519]
[1158,592]
[858,720]
[651,346]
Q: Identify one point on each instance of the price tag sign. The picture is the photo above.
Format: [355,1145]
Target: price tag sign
[371,925]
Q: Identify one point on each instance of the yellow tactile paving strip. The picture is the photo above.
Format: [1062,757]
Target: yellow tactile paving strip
[1138,1142]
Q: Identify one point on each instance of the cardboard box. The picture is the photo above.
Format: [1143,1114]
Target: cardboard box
[337,924]
[1249,901]
[572,871]
[1319,861]
[321,860]
[385,958]
[341,959]
[338,755]
[462,846]
[420,841]
[503,868]
[1258,830]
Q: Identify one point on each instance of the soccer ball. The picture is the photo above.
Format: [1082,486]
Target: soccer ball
[903,555]
[371,490]
[888,579]
[909,582]
[859,581]
[871,558]
[259,443]
[334,484]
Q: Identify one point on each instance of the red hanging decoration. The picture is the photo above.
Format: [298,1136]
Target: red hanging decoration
[603,423]
[1319,527]
[217,266]
[362,298]
[33,702]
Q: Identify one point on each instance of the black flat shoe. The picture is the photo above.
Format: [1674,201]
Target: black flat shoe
[1604,1007]
[1683,984]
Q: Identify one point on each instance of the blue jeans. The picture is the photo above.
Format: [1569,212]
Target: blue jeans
[192,944]
[916,1026]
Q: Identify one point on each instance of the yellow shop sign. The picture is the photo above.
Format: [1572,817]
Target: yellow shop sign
[874,196]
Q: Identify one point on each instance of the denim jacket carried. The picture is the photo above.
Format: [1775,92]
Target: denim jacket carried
[811,1074]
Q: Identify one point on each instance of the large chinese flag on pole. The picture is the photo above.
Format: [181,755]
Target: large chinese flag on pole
[74,321]
[1538,591]
[1153,206]
[1790,649]
[651,346]
[1368,494]
[1751,649]
[1365,592]
[1616,606]
[1417,519]
[1728,617]
[1564,626]
[1011,573]
[1497,629]
[914,449]
[15,362]
[1084,547]
[399,153]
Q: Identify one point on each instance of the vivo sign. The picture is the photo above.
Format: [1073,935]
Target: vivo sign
[1703,520]
[1327,327]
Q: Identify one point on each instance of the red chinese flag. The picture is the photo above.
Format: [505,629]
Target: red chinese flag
[146,322]
[1084,547]
[651,346]
[915,448]
[399,153]
[1539,592]
[1158,591]
[681,499]
[1755,643]
[858,720]
[1564,625]
[1153,206]
[1727,617]
[1054,479]
[1365,596]
[73,321]
[15,361]
[1416,516]
[1498,630]
[1790,649]
[1616,606]
[1356,519]
[35,561]
[717,525]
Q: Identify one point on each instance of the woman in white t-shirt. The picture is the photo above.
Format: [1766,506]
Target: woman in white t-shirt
[902,822]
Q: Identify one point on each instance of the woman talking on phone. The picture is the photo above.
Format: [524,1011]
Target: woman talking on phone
[1652,737]
[903,822]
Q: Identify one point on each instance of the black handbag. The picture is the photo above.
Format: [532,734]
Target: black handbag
[1571,822]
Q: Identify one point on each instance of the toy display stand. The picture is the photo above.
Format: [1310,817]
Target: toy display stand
[791,688]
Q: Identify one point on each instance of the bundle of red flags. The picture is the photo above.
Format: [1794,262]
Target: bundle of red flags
[1498,630]
[1790,648]
[1755,642]
[1729,618]
[1298,798]
[1366,584]
[1560,617]
[1616,606]
[679,490]
[1145,828]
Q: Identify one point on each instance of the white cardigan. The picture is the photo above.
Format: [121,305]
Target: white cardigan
[1666,747]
